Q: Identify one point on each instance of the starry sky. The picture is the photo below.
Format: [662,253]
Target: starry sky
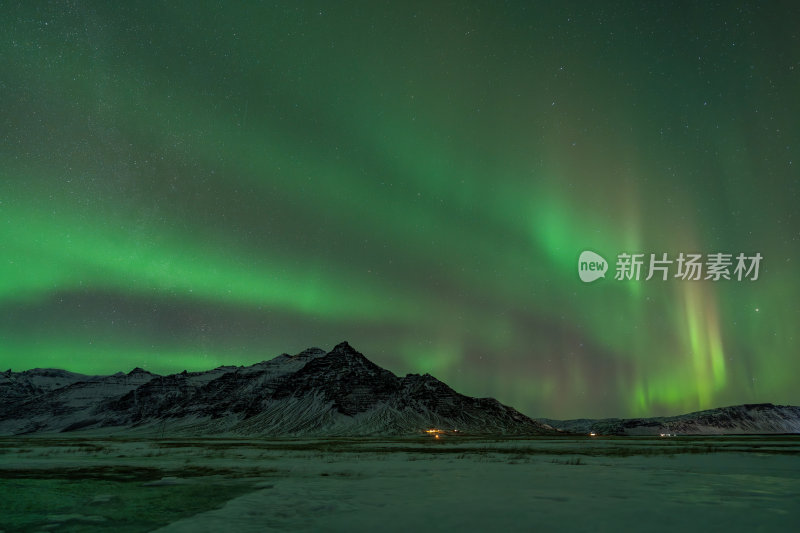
[190,184]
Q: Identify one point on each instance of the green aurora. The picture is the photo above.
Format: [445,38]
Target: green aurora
[185,185]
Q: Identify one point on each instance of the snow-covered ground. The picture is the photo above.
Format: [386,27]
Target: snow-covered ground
[451,483]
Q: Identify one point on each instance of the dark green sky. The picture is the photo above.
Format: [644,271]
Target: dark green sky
[190,184]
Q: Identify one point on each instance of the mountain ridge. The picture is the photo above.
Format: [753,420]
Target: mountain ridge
[315,393]
[339,392]
[743,419]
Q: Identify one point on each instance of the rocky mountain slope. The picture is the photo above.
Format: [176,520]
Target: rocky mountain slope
[314,392]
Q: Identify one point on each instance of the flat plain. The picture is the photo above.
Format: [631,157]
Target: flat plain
[125,484]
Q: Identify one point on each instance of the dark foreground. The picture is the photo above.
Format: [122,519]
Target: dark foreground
[737,483]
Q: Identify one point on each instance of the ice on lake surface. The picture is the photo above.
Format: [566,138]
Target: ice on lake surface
[736,483]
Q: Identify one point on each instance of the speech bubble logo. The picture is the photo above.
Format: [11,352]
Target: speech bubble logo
[591,266]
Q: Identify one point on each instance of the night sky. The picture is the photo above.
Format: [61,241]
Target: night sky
[190,184]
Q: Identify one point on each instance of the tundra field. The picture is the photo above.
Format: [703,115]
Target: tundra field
[731,483]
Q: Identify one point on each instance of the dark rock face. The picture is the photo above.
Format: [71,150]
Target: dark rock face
[344,377]
[315,392]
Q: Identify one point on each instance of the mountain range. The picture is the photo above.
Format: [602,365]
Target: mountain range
[754,419]
[339,392]
[313,393]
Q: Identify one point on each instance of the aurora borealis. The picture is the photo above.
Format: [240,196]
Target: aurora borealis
[188,184]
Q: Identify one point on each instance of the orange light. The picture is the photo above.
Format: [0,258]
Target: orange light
[437,436]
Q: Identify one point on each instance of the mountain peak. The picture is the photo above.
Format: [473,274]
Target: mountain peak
[138,370]
[343,350]
[344,347]
[310,353]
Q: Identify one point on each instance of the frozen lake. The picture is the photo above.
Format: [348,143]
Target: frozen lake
[737,483]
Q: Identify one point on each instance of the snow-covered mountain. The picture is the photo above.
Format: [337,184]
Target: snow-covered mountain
[16,385]
[314,392]
[763,418]
[54,400]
